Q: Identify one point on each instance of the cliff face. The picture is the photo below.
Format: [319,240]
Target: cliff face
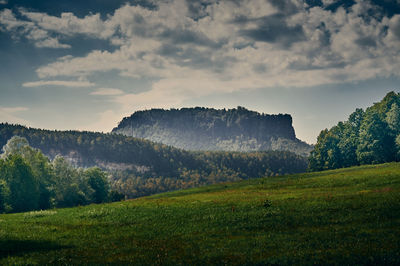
[210,129]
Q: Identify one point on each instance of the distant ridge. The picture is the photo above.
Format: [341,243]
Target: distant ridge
[209,129]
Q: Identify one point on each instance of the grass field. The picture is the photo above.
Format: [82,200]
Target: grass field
[346,216]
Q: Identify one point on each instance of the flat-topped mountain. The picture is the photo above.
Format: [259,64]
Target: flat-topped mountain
[210,129]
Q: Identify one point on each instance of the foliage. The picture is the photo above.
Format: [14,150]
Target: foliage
[209,129]
[140,167]
[97,180]
[29,181]
[368,137]
[340,217]
[24,186]
[4,195]
[210,168]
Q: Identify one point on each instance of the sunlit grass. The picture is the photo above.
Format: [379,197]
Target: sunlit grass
[345,216]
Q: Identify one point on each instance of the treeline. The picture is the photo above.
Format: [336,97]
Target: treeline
[141,167]
[30,181]
[211,168]
[367,137]
[209,129]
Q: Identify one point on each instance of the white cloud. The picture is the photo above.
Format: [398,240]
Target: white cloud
[51,43]
[28,29]
[230,46]
[64,83]
[107,92]
[3,2]
[8,115]
[68,23]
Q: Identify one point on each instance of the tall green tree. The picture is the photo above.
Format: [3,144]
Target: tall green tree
[39,163]
[326,153]
[97,180]
[67,186]
[376,145]
[24,187]
[393,118]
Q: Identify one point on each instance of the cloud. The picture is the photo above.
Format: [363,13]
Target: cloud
[394,26]
[29,30]
[68,23]
[3,2]
[13,109]
[107,92]
[274,29]
[64,83]
[197,48]
[8,115]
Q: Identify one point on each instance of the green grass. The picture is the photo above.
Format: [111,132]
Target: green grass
[343,217]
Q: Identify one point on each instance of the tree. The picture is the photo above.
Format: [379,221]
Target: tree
[349,138]
[66,185]
[326,153]
[39,163]
[393,121]
[24,188]
[97,180]
[375,142]
[15,145]
[393,118]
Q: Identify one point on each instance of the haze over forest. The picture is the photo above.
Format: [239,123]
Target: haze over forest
[87,64]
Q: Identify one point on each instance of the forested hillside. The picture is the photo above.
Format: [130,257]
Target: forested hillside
[367,137]
[140,167]
[215,130]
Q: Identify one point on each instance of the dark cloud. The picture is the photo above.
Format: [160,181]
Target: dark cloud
[184,36]
[260,68]
[284,6]
[194,58]
[302,66]
[274,29]
[340,3]
[197,8]
[325,38]
[169,50]
[366,41]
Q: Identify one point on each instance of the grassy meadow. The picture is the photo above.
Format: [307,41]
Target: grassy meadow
[343,217]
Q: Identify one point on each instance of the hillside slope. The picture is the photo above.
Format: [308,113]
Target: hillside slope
[340,217]
[215,130]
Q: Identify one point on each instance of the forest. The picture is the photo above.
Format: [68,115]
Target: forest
[367,137]
[137,167]
[30,181]
[209,129]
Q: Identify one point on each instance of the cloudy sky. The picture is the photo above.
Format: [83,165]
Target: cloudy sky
[87,64]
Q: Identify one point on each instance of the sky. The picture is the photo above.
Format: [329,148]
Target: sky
[87,64]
